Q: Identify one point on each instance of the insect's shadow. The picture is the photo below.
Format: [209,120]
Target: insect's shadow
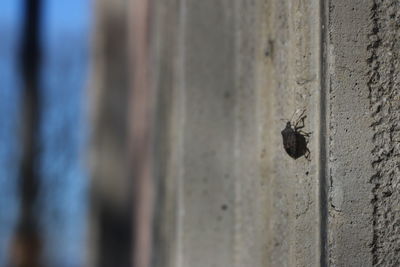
[295,139]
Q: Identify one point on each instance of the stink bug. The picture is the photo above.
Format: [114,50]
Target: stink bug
[294,139]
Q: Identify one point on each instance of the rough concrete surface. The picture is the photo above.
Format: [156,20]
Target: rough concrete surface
[383,83]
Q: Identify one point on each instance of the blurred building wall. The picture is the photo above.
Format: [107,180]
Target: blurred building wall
[111,192]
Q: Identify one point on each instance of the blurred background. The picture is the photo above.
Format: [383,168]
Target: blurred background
[66,185]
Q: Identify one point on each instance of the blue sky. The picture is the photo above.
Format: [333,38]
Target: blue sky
[67,14]
[62,198]
[71,14]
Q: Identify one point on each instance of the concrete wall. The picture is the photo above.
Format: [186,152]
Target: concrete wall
[350,135]
[227,72]
[364,131]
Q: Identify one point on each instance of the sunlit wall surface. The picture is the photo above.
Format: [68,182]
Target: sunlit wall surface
[61,202]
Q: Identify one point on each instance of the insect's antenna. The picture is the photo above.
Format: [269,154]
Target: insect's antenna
[303,110]
[293,116]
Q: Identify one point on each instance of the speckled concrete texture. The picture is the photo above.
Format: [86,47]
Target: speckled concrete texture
[349,134]
[292,83]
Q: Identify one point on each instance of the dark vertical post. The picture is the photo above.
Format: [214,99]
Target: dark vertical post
[27,243]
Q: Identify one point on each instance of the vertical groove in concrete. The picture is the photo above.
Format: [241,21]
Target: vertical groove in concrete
[323,185]
[383,84]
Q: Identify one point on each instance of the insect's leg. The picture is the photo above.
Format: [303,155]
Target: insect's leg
[301,118]
[291,118]
[306,134]
[307,155]
[302,112]
[297,126]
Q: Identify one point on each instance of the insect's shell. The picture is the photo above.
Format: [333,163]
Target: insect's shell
[293,142]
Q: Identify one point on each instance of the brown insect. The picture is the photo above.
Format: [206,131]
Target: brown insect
[295,140]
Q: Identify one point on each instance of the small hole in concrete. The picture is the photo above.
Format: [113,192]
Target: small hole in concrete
[307,173]
[224,207]
[387,194]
